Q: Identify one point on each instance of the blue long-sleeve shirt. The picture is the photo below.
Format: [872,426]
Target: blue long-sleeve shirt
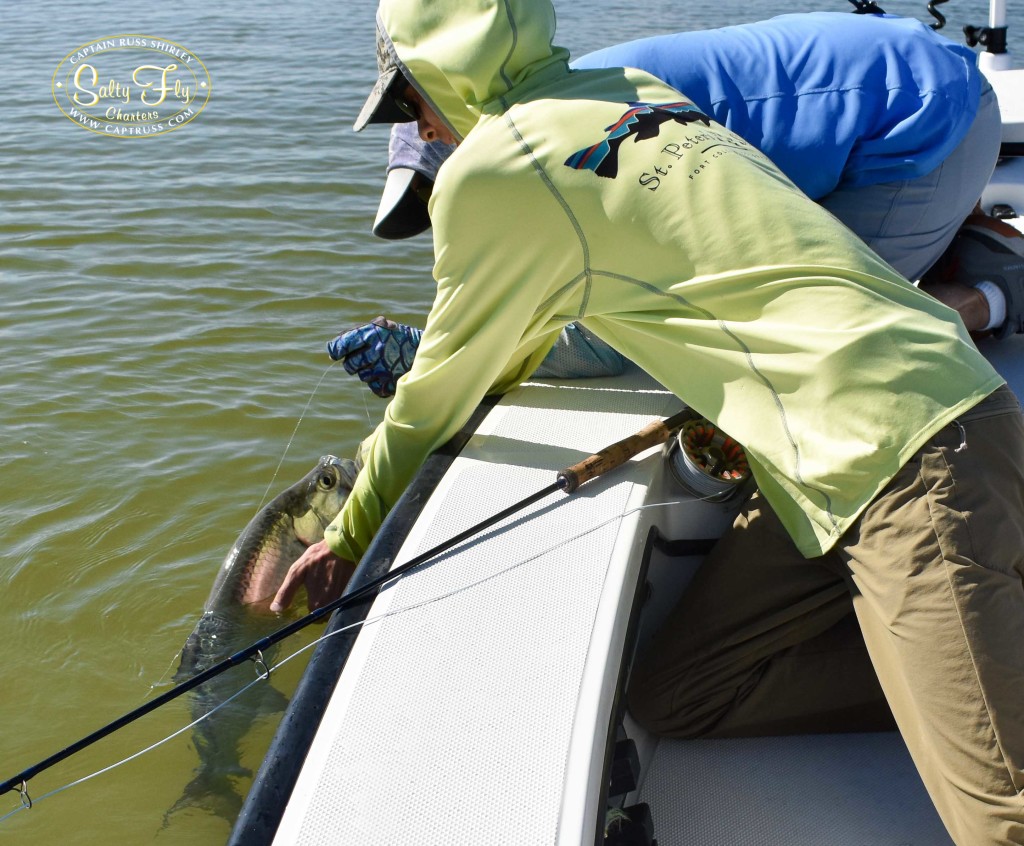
[833,99]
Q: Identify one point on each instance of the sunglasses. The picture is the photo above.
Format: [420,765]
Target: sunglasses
[405,106]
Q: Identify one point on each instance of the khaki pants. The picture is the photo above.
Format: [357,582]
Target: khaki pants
[764,641]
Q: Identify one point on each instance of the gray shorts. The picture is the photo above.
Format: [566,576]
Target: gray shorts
[910,223]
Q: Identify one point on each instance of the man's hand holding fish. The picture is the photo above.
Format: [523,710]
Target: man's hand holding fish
[322,572]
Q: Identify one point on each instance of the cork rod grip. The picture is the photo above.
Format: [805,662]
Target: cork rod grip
[612,456]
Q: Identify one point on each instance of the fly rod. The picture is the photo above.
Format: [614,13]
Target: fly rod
[567,480]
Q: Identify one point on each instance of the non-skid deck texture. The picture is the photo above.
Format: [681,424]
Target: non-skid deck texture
[451,723]
[814,790]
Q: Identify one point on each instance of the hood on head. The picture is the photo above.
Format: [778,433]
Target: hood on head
[462,55]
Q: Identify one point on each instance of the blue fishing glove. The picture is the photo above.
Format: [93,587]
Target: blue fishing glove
[377,352]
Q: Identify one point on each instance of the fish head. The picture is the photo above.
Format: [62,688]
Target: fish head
[325,490]
[284,528]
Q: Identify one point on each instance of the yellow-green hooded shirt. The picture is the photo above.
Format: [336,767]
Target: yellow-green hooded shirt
[604,197]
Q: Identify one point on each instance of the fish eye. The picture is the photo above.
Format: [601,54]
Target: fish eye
[326,481]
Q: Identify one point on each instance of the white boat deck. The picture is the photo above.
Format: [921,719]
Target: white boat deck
[806,790]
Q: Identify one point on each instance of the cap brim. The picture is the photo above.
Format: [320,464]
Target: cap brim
[380,107]
[401,213]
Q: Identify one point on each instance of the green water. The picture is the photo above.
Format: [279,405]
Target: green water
[165,302]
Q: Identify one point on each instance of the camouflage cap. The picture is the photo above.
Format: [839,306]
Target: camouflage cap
[380,106]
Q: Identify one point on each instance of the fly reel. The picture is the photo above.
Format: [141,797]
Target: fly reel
[707,462]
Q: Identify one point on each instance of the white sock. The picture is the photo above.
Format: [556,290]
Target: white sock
[996,300]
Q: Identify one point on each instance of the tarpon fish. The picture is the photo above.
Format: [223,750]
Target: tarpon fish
[237,614]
